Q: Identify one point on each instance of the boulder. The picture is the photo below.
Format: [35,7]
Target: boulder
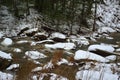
[5,60]
[7,42]
[58,37]
[40,36]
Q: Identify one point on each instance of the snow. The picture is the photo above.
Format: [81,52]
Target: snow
[80,40]
[1,34]
[35,54]
[17,50]
[58,35]
[37,69]
[7,42]
[22,41]
[111,57]
[106,30]
[5,55]
[80,54]
[5,76]
[13,66]
[62,61]
[49,65]
[103,47]
[31,30]
[118,50]
[66,46]
[40,42]
[95,75]
[109,13]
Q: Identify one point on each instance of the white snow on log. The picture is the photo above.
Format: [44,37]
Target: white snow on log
[103,47]
[95,75]
[58,35]
[22,41]
[6,76]
[35,54]
[80,54]
[17,50]
[106,30]
[5,55]
[40,42]
[118,50]
[7,42]
[66,46]
[13,66]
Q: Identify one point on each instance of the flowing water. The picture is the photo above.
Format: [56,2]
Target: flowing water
[26,64]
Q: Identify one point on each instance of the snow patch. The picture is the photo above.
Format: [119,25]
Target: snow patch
[13,66]
[58,35]
[17,50]
[35,54]
[6,76]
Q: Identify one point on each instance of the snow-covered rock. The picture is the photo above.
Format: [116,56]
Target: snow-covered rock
[5,55]
[66,46]
[80,54]
[17,50]
[95,75]
[40,36]
[6,76]
[106,30]
[35,54]
[103,47]
[13,66]
[7,42]
[111,57]
[58,37]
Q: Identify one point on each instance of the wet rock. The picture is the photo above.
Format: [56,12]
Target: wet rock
[40,36]
[5,60]
[4,63]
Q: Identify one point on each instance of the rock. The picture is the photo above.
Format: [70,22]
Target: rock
[58,37]
[31,32]
[5,60]
[102,47]
[7,42]
[40,36]
[85,55]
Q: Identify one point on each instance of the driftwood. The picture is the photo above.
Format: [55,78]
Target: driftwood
[104,53]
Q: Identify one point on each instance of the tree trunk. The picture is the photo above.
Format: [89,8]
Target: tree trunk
[94,24]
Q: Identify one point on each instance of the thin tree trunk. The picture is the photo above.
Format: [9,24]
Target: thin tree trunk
[94,24]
